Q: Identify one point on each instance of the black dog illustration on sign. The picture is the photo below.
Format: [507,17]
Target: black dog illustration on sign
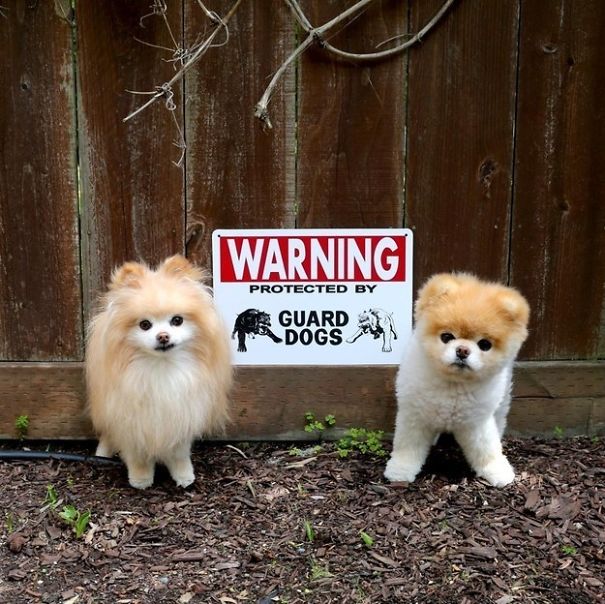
[377,322]
[252,322]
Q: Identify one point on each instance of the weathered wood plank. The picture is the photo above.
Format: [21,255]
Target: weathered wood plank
[237,175]
[270,403]
[351,124]
[132,194]
[40,310]
[460,151]
[558,237]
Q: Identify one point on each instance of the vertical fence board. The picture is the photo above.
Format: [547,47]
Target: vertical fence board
[558,239]
[237,175]
[133,198]
[351,123]
[460,125]
[40,310]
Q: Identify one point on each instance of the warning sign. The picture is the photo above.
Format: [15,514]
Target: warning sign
[315,297]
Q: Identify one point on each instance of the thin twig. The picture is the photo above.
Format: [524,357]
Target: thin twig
[314,35]
[300,16]
[372,56]
[238,450]
[209,13]
[161,90]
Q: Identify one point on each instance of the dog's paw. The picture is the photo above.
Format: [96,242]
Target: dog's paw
[185,479]
[140,482]
[181,470]
[498,472]
[398,470]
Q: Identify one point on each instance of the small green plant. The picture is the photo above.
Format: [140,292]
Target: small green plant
[312,424]
[319,572]
[558,432]
[594,440]
[368,442]
[309,532]
[22,426]
[367,540]
[294,451]
[569,550]
[51,499]
[74,518]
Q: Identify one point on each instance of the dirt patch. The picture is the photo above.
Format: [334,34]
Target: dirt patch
[273,527]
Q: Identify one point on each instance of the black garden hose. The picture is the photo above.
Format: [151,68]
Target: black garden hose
[30,455]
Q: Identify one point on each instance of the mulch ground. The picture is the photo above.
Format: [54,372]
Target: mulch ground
[260,525]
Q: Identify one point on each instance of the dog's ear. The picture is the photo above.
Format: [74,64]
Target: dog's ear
[128,275]
[179,266]
[514,306]
[435,289]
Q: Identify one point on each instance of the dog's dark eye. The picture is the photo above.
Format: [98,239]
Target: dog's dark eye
[484,344]
[145,325]
[176,320]
[446,337]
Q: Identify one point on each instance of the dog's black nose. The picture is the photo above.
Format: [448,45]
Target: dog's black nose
[163,337]
[462,352]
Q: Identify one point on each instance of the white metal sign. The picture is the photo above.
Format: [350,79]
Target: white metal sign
[315,297]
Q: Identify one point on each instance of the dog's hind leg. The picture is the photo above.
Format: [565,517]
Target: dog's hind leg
[386,341]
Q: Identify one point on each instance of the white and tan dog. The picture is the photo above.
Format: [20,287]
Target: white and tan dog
[158,368]
[456,375]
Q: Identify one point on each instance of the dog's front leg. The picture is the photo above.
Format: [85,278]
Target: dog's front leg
[483,450]
[275,338]
[241,341]
[140,469]
[411,446]
[179,465]
[105,448]
[356,336]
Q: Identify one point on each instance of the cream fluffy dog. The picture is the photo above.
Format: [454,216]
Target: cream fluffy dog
[158,368]
[456,373]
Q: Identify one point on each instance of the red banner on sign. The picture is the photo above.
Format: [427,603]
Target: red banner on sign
[312,258]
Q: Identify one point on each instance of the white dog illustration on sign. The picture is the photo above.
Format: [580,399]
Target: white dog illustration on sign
[377,322]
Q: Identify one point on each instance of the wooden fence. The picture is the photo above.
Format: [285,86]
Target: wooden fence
[486,139]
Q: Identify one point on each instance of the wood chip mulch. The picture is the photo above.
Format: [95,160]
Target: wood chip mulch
[260,525]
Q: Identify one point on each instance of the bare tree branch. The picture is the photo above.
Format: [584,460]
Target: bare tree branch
[318,35]
[166,88]
[314,35]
